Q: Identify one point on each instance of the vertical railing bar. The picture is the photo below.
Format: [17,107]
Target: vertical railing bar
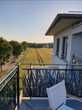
[58,75]
[18,87]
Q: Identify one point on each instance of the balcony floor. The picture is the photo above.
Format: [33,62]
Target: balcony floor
[42,104]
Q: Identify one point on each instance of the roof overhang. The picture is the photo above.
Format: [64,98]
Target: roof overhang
[62,22]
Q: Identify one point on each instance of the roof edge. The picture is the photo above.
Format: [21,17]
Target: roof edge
[62,15]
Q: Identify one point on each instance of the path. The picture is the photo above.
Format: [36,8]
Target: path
[7,67]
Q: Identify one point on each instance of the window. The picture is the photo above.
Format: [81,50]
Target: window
[57,46]
[64,48]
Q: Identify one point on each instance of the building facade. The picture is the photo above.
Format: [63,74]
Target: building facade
[67,32]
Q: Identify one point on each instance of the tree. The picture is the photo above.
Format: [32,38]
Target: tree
[17,49]
[24,45]
[5,51]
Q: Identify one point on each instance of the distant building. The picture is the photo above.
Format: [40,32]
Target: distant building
[67,32]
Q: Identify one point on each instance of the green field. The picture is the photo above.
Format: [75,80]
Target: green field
[34,56]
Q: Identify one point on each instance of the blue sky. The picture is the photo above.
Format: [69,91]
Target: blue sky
[29,19]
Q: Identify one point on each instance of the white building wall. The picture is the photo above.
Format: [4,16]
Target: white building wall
[69,32]
[54,50]
[69,48]
[58,60]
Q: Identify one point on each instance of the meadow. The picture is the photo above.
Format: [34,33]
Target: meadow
[36,56]
[33,56]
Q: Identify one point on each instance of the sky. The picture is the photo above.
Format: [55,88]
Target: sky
[28,20]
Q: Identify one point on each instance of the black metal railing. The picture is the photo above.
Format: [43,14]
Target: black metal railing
[38,78]
[9,90]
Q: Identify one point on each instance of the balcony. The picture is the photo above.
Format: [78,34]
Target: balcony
[37,78]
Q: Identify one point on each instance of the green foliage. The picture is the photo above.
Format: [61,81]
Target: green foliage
[40,45]
[5,50]
[24,45]
[17,48]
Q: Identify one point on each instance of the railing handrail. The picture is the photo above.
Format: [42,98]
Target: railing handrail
[42,64]
[8,77]
[48,68]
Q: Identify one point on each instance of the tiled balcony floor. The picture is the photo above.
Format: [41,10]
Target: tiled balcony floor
[42,104]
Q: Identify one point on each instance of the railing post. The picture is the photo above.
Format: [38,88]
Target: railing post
[18,88]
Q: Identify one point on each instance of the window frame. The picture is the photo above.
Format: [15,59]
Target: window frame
[64,47]
[57,46]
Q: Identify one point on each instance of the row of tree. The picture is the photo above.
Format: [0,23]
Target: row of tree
[10,49]
[40,45]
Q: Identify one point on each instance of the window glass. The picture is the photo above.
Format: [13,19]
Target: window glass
[64,47]
[57,46]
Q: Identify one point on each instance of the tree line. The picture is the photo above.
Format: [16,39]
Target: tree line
[10,49]
[40,45]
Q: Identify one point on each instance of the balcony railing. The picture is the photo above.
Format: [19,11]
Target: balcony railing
[38,78]
[9,90]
